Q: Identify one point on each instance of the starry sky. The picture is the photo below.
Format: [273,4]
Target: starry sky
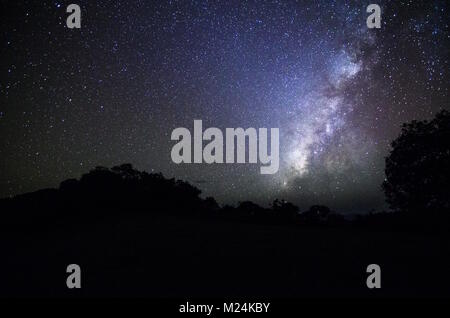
[113,91]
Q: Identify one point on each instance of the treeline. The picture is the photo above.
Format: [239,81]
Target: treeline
[123,190]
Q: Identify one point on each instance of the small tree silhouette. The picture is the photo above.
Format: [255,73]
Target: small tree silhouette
[418,167]
[316,214]
[284,210]
[249,209]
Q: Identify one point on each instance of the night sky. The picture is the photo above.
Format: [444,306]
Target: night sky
[113,91]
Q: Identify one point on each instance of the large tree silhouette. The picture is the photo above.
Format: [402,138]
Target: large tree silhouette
[418,167]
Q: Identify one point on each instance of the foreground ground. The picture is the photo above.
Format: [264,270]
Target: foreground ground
[170,256]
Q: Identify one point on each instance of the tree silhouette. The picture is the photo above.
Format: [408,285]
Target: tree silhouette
[316,214]
[418,167]
[285,210]
[249,209]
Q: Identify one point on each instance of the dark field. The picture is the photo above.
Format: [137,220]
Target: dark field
[156,255]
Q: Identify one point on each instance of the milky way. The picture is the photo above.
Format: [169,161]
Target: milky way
[114,90]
